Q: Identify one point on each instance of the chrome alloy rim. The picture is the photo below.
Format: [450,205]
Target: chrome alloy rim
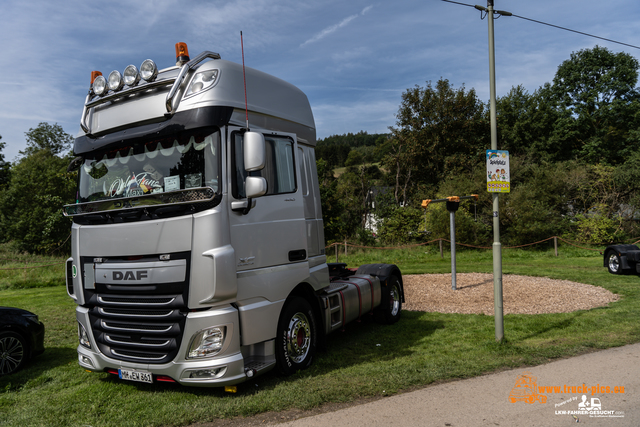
[614,263]
[298,337]
[11,354]
[395,300]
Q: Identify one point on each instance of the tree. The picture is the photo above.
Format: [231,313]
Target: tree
[597,88]
[526,125]
[354,187]
[47,137]
[438,130]
[4,167]
[332,204]
[30,208]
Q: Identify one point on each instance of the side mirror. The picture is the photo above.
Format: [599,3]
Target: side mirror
[255,186]
[75,164]
[254,151]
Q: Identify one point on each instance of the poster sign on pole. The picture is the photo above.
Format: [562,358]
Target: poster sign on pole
[498,179]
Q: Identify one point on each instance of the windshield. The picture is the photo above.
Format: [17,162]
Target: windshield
[152,166]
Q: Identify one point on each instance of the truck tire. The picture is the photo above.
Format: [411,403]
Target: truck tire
[13,352]
[388,312]
[613,263]
[296,338]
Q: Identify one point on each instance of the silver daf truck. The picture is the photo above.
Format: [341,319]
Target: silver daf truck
[197,239]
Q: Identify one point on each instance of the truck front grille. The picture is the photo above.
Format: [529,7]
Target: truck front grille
[140,324]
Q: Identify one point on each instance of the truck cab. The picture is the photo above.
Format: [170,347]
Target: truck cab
[197,239]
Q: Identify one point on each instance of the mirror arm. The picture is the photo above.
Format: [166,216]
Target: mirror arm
[246,210]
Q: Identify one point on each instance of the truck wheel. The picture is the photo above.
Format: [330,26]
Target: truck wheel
[613,263]
[13,352]
[389,310]
[296,336]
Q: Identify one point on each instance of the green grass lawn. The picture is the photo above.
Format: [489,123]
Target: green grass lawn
[366,360]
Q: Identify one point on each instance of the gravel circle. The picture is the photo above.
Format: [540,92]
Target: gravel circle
[520,294]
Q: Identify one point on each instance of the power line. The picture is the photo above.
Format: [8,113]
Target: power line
[556,26]
[574,31]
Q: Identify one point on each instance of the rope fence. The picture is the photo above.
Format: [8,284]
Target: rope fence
[555,239]
[346,244]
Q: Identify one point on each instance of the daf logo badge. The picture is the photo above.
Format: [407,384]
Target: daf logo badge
[130,275]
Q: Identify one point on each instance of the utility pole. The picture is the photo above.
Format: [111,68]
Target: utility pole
[497,246]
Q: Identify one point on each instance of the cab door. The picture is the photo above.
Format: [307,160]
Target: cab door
[270,232]
[268,235]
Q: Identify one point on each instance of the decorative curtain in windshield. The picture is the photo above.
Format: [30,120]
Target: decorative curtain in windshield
[156,166]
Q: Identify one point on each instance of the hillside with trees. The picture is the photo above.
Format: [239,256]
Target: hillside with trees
[574,150]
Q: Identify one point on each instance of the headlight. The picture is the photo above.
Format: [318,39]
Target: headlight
[148,70]
[131,75]
[83,337]
[115,81]
[206,343]
[202,81]
[31,317]
[100,86]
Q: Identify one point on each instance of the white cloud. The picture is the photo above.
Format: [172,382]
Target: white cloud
[333,28]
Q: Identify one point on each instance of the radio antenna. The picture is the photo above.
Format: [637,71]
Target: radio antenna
[244,78]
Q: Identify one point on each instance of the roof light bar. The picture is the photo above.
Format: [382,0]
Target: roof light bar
[95,74]
[148,70]
[131,75]
[115,81]
[99,85]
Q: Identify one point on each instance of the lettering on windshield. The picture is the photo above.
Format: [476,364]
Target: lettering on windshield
[136,185]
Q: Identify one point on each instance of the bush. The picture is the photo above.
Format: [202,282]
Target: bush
[401,226]
[599,229]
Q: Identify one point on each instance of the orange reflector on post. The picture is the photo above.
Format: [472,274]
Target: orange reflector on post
[95,74]
[182,52]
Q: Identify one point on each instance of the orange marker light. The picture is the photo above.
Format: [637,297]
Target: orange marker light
[182,52]
[95,74]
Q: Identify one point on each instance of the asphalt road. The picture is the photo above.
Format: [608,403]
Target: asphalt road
[485,401]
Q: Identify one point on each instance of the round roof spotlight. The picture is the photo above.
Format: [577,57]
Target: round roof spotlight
[115,81]
[148,70]
[99,85]
[131,75]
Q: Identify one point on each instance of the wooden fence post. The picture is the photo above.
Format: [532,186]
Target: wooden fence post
[555,244]
[441,250]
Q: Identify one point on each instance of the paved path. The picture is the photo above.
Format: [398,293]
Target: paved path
[484,401]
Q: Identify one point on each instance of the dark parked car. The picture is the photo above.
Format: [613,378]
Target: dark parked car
[21,337]
[622,259]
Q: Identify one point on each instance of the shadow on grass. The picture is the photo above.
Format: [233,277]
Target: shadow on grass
[367,341]
[547,326]
[37,367]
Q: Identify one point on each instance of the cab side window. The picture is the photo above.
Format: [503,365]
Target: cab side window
[279,170]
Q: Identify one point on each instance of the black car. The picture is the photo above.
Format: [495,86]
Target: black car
[622,259]
[21,338]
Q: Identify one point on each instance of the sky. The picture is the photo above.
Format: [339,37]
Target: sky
[353,59]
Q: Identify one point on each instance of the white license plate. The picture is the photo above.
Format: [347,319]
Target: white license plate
[141,377]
